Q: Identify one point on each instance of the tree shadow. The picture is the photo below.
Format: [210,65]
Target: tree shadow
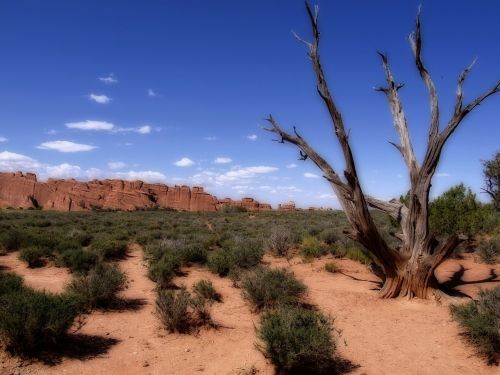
[75,346]
[378,283]
[456,279]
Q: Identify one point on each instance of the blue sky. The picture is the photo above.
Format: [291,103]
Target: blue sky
[176,91]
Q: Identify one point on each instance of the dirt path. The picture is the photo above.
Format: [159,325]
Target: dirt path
[49,278]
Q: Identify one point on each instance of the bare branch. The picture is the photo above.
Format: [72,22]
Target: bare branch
[460,93]
[306,151]
[458,117]
[393,208]
[415,39]
[399,117]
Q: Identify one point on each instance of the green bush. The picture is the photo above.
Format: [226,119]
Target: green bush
[266,288]
[311,247]
[332,267]
[11,239]
[171,307]
[109,249]
[32,320]
[34,256]
[458,211]
[10,282]
[247,253]
[481,322]
[99,287]
[296,339]
[221,262]
[359,255]
[488,250]
[78,260]
[329,236]
[205,289]
[280,242]
[163,270]
[338,249]
[193,253]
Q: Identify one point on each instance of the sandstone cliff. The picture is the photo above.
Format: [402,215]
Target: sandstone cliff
[18,190]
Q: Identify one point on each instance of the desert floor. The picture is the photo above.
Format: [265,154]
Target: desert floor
[378,336]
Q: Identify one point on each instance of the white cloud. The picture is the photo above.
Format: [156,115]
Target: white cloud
[243,173]
[52,132]
[90,125]
[11,161]
[443,174]
[3,139]
[184,162]
[237,176]
[65,146]
[64,170]
[292,165]
[116,165]
[128,144]
[147,176]
[151,93]
[110,79]
[210,138]
[327,196]
[222,160]
[146,129]
[252,137]
[101,99]
[310,175]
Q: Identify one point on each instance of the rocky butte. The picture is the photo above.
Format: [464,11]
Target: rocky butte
[23,190]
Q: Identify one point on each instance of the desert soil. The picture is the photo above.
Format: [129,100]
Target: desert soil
[378,336]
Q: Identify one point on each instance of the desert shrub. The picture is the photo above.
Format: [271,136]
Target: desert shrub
[329,236]
[171,307]
[481,322]
[338,249]
[99,287]
[358,254]
[201,311]
[163,270]
[110,248]
[488,250]
[193,253]
[311,247]
[280,242]
[247,253]
[34,256]
[83,238]
[11,239]
[205,289]
[78,260]
[10,282]
[32,320]
[296,339]
[332,267]
[220,262]
[271,288]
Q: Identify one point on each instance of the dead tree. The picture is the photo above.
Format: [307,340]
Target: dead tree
[409,269]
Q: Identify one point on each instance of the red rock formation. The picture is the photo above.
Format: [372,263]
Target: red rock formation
[288,206]
[18,190]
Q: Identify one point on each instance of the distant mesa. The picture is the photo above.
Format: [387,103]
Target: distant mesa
[23,190]
[288,206]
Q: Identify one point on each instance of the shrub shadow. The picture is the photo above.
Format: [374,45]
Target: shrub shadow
[125,304]
[76,346]
[337,366]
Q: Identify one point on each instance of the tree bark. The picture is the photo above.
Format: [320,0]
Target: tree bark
[408,270]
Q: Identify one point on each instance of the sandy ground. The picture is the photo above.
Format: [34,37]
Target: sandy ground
[378,336]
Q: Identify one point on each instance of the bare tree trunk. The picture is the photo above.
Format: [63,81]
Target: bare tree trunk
[408,270]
